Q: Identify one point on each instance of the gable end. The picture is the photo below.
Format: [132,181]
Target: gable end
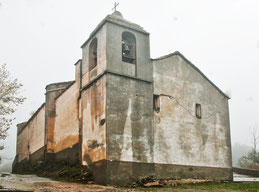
[193,66]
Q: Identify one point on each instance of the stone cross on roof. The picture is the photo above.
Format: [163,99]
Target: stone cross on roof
[115,5]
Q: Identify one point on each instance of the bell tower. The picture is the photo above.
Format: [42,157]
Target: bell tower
[117,45]
[128,49]
[129,101]
[117,102]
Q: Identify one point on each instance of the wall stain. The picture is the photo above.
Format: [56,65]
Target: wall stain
[66,142]
[93,144]
[184,142]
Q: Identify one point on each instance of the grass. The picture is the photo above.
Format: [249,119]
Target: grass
[240,186]
[231,186]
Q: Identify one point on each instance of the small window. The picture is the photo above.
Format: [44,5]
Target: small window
[93,54]
[156,103]
[198,110]
[128,45]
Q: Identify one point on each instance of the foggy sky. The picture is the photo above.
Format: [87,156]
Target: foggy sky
[40,42]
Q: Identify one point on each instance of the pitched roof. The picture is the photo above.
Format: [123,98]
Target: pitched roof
[193,66]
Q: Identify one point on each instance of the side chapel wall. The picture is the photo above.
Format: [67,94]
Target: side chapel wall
[66,134]
[30,137]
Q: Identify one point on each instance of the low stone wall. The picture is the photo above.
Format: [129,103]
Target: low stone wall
[251,172]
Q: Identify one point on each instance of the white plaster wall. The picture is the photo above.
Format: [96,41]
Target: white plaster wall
[180,137]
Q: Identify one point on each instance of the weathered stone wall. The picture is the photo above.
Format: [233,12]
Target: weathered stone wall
[251,172]
[180,137]
[30,138]
[129,119]
[66,133]
[93,121]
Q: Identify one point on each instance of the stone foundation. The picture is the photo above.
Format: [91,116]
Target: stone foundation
[122,173]
[69,155]
[37,156]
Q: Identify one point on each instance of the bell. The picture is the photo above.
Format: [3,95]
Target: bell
[126,49]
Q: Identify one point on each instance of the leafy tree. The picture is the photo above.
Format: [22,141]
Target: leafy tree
[10,98]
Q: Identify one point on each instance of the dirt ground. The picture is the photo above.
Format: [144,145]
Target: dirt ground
[13,182]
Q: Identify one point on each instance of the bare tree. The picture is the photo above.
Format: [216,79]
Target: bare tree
[10,98]
[251,160]
[255,141]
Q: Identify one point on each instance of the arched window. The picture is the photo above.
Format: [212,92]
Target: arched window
[93,54]
[128,47]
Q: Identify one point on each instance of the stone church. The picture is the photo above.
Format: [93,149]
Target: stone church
[127,116]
